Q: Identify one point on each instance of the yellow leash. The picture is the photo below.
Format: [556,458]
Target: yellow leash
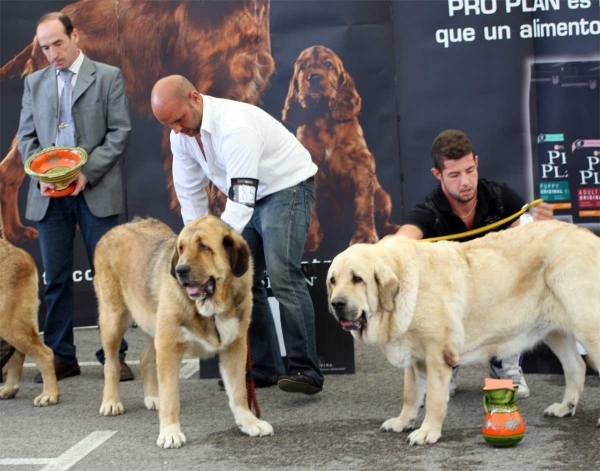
[489,227]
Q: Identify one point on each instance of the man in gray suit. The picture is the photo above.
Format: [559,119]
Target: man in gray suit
[74,102]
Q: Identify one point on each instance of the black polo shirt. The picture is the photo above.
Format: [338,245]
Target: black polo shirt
[495,201]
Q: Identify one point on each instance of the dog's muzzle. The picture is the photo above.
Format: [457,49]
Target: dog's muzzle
[194,290]
[349,319]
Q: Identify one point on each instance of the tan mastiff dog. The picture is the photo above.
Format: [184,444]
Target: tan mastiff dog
[189,293]
[430,306]
[19,304]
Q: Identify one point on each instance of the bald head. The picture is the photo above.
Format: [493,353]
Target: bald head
[177,103]
[172,88]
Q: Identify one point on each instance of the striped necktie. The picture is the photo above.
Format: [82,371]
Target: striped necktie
[66,127]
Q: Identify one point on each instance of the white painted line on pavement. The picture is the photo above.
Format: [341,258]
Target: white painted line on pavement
[69,458]
[79,451]
[190,369]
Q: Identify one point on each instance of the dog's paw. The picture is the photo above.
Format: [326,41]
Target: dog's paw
[422,436]
[111,408]
[560,409]
[171,437]
[396,424]
[8,392]
[312,242]
[260,428]
[20,233]
[151,402]
[368,237]
[45,399]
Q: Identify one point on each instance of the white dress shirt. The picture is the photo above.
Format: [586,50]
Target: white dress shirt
[240,141]
[74,67]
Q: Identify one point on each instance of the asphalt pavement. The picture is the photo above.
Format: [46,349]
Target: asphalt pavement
[338,429]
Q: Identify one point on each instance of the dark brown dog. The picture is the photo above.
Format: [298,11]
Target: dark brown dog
[19,324]
[223,48]
[323,102]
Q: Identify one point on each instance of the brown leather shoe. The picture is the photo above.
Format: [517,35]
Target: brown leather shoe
[63,370]
[126,373]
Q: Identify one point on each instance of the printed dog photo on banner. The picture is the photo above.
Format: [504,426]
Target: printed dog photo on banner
[323,103]
[223,48]
[147,41]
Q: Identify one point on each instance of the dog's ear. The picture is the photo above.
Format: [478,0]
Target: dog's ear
[346,103]
[26,62]
[239,254]
[388,285]
[293,113]
[174,262]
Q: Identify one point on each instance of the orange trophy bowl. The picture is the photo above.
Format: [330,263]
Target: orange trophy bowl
[57,165]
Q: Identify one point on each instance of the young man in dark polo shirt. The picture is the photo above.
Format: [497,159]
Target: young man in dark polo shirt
[463,202]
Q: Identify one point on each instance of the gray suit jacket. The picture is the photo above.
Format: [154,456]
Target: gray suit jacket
[102,124]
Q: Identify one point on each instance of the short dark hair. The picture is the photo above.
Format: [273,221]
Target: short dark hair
[450,144]
[56,15]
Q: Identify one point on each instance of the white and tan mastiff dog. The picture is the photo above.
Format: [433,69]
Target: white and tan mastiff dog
[430,306]
[189,293]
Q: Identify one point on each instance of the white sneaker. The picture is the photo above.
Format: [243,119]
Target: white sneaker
[512,371]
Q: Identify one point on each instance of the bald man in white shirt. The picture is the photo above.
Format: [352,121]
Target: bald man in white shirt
[268,178]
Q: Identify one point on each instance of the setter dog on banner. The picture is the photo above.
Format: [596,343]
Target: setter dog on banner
[223,48]
[323,103]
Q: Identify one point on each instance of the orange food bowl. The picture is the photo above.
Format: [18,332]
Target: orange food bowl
[57,165]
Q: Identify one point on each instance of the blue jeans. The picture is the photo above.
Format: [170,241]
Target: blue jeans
[276,235]
[57,233]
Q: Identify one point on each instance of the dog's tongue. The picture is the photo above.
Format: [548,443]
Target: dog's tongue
[350,325]
[192,290]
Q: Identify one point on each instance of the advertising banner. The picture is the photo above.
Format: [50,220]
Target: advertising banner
[566,150]
[482,67]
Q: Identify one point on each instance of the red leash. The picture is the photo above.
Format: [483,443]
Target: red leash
[252,400]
